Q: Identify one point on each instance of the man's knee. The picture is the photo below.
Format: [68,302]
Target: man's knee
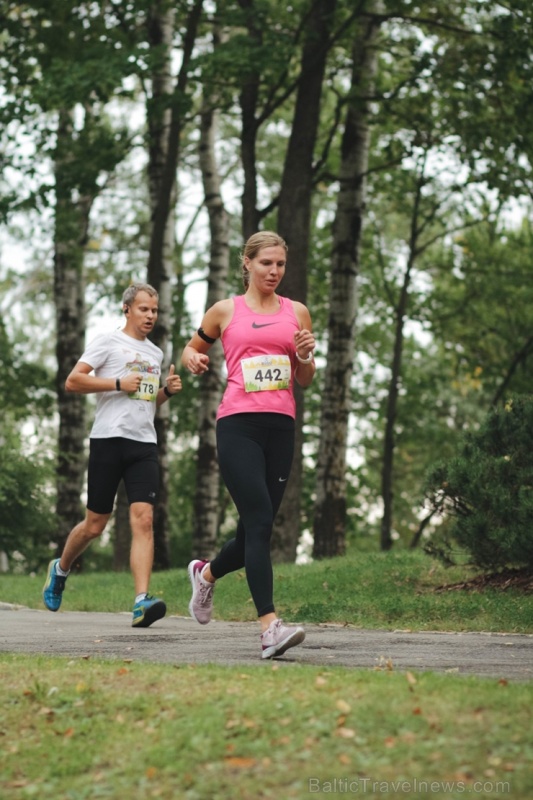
[95,524]
[142,518]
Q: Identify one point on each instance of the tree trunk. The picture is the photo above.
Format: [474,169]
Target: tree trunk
[248,102]
[161,269]
[122,531]
[207,494]
[294,223]
[387,471]
[165,122]
[70,235]
[330,505]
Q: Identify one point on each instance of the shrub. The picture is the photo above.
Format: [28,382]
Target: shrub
[486,490]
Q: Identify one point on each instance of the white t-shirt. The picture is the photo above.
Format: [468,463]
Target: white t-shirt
[115,355]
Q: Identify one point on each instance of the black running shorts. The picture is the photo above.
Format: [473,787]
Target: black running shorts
[116,459]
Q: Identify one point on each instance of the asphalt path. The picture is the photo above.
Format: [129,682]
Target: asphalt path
[180,640]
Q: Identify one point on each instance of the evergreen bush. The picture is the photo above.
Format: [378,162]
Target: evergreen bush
[485,492]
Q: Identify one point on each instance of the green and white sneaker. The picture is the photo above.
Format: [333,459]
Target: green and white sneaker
[147,610]
[53,588]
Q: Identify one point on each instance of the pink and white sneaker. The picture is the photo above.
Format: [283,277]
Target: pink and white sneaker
[279,637]
[201,604]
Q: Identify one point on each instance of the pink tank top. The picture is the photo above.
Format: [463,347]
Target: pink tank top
[260,359]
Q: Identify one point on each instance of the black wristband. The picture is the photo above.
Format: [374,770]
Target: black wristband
[117,385]
[168,394]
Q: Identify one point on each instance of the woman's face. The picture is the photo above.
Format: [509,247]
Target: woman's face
[267,268]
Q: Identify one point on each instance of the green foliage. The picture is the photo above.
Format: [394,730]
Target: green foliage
[26,516]
[370,590]
[26,476]
[487,489]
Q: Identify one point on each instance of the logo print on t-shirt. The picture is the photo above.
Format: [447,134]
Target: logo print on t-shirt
[263,325]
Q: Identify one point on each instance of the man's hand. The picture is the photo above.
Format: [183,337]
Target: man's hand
[173,381]
[130,382]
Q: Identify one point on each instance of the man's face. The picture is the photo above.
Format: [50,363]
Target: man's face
[141,315]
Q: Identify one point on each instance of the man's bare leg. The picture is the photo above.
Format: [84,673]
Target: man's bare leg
[81,537]
[142,545]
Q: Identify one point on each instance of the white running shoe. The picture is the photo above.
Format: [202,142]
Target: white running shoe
[279,637]
[201,604]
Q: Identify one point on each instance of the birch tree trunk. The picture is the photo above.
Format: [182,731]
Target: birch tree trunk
[207,492]
[330,504]
[248,99]
[165,115]
[70,236]
[161,269]
[294,224]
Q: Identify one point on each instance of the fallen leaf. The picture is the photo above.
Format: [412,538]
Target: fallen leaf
[343,706]
[411,678]
[345,733]
[385,663]
[239,762]
[151,772]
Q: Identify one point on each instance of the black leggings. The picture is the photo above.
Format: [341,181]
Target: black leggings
[255,455]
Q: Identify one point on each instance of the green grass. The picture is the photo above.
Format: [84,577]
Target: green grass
[369,590]
[73,730]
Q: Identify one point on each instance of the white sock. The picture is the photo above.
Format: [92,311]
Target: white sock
[140,597]
[61,572]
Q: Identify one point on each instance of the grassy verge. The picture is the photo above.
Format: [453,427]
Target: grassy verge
[380,590]
[73,730]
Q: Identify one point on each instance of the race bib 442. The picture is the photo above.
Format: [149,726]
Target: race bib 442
[266,373]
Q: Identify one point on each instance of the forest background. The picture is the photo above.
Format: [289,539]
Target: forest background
[389,141]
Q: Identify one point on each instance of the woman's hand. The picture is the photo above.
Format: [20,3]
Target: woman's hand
[304,342]
[195,362]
